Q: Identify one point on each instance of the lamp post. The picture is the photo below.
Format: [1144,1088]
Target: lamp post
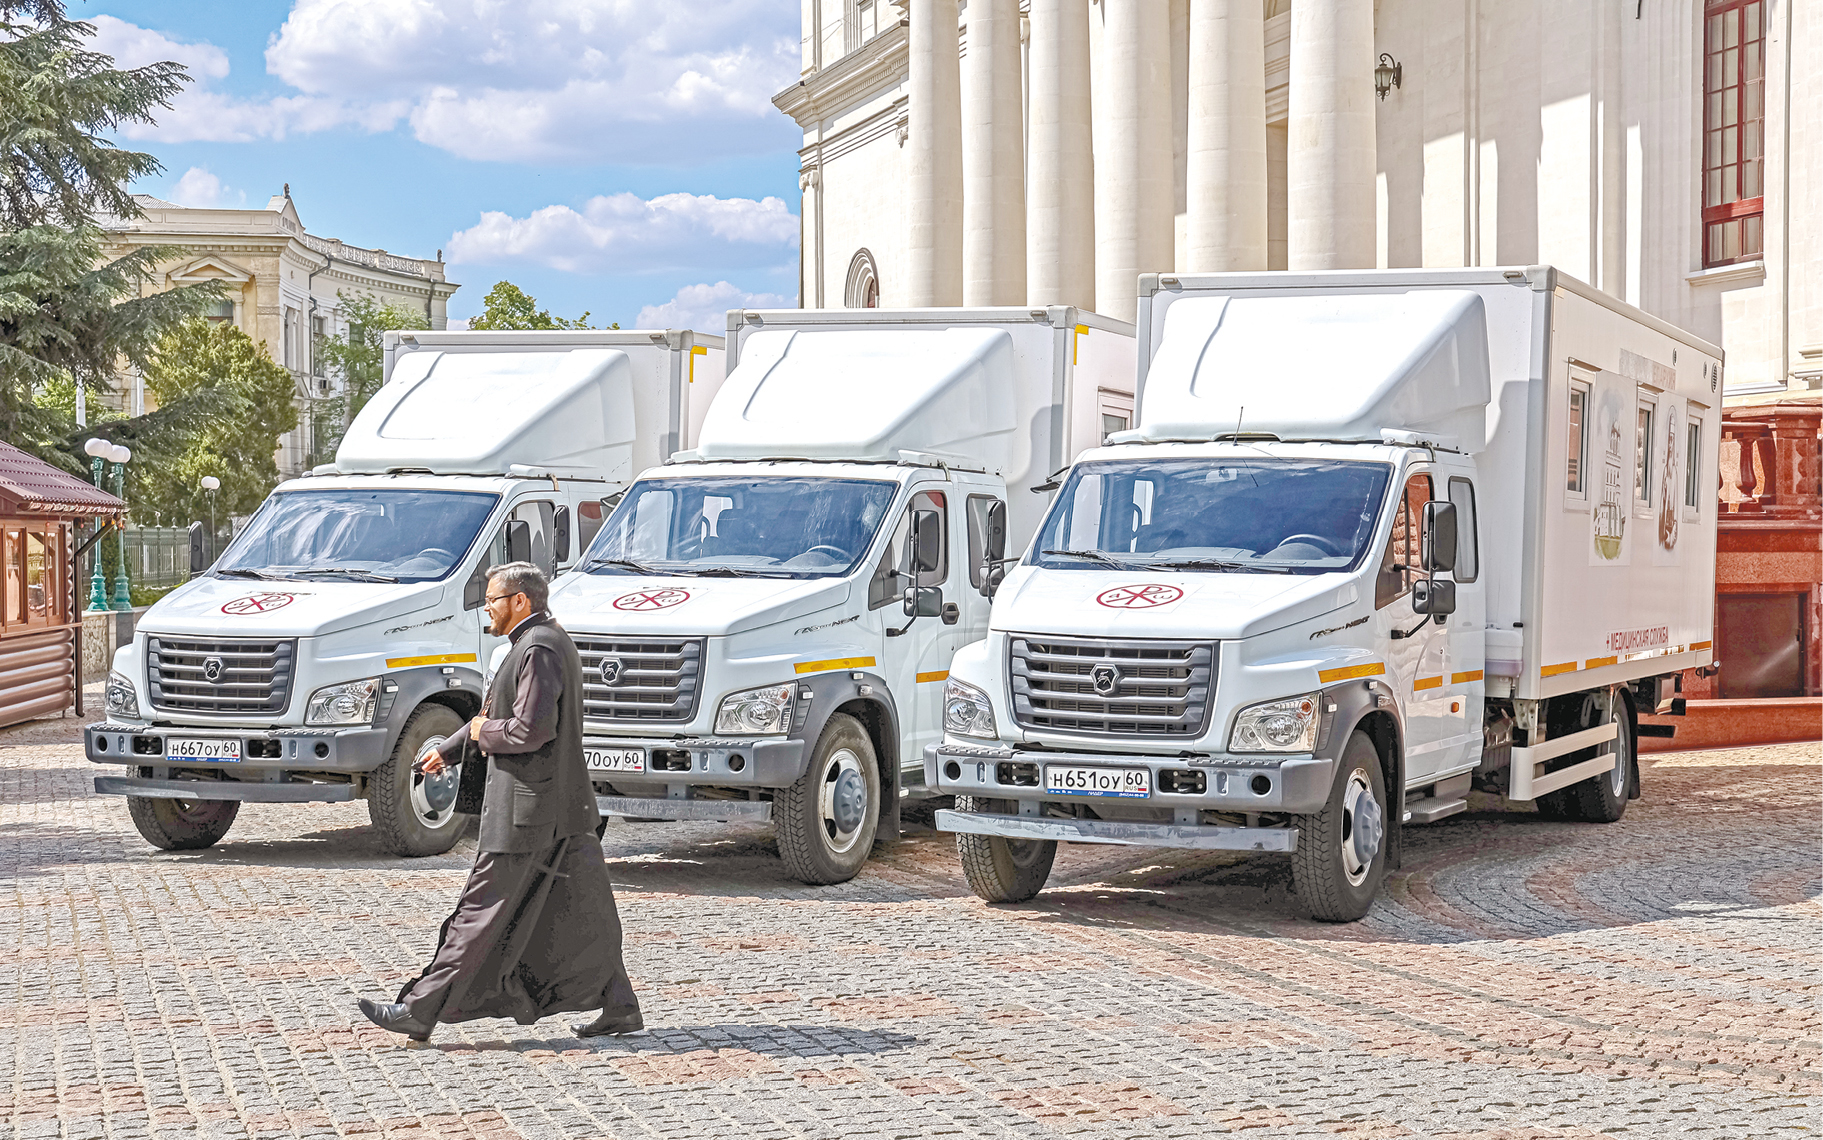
[123,598]
[98,450]
[210,485]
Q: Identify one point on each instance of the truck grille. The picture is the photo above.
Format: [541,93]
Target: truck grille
[219,678]
[1148,688]
[640,678]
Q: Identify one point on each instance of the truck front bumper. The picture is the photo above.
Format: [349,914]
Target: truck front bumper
[348,750]
[246,791]
[721,761]
[1295,785]
[1201,837]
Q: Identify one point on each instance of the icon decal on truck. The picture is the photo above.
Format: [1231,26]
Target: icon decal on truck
[661,599]
[1139,597]
[258,603]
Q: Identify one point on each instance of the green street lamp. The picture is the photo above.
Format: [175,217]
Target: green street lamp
[120,456]
[98,451]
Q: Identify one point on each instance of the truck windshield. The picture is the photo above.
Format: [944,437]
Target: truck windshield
[778,526]
[1265,515]
[384,535]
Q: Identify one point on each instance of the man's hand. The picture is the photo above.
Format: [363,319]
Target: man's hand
[474,727]
[431,763]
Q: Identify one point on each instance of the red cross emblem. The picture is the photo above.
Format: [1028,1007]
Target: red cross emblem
[661,599]
[258,603]
[1139,597]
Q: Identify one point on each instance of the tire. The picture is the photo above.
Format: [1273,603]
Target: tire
[412,812]
[1335,882]
[827,820]
[1603,798]
[1002,870]
[181,825]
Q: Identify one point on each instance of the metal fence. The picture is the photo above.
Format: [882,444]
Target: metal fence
[157,557]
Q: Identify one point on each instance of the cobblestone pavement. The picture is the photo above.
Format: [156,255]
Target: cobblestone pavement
[1519,980]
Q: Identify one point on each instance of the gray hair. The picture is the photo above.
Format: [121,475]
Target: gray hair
[523,578]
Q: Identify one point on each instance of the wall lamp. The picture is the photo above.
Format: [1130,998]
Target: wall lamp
[1388,75]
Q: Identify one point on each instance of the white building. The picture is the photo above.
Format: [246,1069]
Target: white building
[283,287]
[1049,151]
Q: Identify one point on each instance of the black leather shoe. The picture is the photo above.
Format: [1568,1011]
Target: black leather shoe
[610,1025]
[393,1016]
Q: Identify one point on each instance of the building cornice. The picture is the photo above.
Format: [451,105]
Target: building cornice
[881,62]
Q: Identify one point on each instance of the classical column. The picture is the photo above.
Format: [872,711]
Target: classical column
[1225,167]
[1330,163]
[933,271]
[993,158]
[1134,190]
[1060,199]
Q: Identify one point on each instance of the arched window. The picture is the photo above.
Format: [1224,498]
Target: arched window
[863,288]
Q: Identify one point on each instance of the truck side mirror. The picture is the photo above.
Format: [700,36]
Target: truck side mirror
[926,542]
[1434,596]
[199,561]
[518,541]
[924,601]
[1438,545]
[560,535]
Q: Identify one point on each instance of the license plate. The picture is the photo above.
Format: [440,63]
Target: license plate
[225,750]
[1079,780]
[615,759]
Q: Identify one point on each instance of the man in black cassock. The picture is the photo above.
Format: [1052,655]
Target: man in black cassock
[535,931]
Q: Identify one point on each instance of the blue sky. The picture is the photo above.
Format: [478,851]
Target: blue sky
[604,155]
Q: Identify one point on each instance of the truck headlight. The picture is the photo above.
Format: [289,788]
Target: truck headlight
[120,696]
[1289,725]
[350,703]
[966,711]
[756,712]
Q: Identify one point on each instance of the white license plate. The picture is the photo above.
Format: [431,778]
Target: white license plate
[615,759]
[202,749]
[1080,780]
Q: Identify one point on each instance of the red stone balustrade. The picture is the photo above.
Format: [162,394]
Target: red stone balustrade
[1770,461]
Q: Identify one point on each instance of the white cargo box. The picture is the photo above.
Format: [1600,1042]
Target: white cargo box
[1597,443]
[1018,392]
[591,404]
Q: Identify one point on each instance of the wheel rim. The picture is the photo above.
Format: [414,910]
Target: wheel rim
[1023,852]
[842,805]
[1617,777]
[193,811]
[433,798]
[1363,822]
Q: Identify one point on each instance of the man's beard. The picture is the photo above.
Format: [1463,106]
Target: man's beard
[499,625]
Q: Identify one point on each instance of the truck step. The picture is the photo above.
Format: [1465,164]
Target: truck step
[1430,809]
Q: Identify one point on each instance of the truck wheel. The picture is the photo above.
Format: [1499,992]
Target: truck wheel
[1341,853]
[181,825]
[826,821]
[1603,798]
[414,813]
[1002,870]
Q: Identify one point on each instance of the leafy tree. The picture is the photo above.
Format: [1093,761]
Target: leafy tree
[360,360]
[65,316]
[510,307]
[252,401]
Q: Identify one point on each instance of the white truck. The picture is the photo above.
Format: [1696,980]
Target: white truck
[766,621]
[342,630]
[1379,538]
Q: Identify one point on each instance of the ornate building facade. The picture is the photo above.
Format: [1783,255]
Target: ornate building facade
[283,287]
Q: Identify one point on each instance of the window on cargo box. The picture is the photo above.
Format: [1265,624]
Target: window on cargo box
[1401,563]
[1468,543]
[1642,454]
[1576,479]
[1693,462]
[1734,125]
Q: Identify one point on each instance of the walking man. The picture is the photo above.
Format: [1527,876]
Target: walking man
[535,931]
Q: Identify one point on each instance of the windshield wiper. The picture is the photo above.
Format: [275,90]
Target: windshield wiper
[241,572]
[722,572]
[637,567]
[1092,556]
[367,575]
[1220,564]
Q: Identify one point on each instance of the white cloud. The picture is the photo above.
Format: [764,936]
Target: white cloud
[624,233]
[199,188]
[705,307]
[536,80]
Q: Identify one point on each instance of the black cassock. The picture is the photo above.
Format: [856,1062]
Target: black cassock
[536,931]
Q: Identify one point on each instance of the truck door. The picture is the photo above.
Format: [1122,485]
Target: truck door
[1418,663]
[916,662]
[531,544]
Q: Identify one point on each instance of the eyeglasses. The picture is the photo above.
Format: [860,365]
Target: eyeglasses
[492,598]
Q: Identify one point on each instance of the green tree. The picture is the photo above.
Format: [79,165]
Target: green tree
[65,316]
[252,401]
[510,307]
[360,361]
